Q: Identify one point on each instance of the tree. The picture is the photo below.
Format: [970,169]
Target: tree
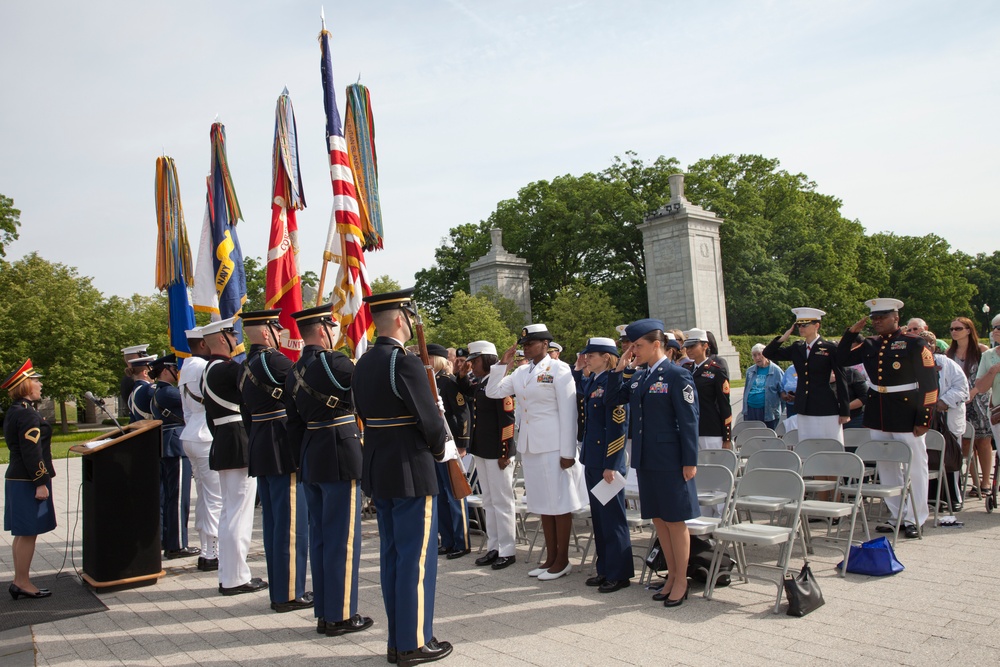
[983,272]
[468,318]
[436,286]
[510,314]
[578,312]
[52,315]
[383,284]
[256,273]
[10,220]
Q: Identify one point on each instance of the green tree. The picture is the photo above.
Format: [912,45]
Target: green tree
[468,318]
[983,272]
[578,312]
[256,273]
[10,220]
[52,315]
[383,284]
[510,314]
[436,286]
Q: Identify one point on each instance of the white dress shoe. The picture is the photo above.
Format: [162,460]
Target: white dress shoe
[537,571]
[549,576]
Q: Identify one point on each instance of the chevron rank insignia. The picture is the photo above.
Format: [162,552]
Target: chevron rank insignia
[689,394]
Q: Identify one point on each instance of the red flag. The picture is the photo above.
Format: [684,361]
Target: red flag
[284,289]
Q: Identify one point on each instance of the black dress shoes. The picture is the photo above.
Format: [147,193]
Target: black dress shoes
[321,626]
[429,652]
[252,586]
[488,559]
[304,602]
[911,531]
[355,623]
[503,561]
[18,592]
[443,551]
[612,585]
[208,564]
[678,602]
[186,552]
[458,553]
[595,580]
[885,528]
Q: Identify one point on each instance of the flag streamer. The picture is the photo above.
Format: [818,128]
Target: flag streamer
[173,256]
[359,130]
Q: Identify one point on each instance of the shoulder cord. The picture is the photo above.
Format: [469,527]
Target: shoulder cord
[392,372]
[329,374]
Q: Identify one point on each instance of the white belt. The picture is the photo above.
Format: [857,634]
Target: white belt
[894,389]
[227,420]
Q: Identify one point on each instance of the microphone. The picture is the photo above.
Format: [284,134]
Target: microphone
[89,395]
[99,402]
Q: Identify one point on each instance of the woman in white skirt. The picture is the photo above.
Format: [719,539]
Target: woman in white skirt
[821,410]
[547,407]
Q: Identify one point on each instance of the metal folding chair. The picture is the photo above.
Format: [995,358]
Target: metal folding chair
[723,457]
[739,427]
[841,465]
[890,452]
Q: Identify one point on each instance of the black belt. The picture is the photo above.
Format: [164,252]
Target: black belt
[328,400]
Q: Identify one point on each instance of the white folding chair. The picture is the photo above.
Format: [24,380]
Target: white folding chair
[841,465]
[754,432]
[780,430]
[773,459]
[752,445]
[855,437]
[791,437]
[723,457]
[781,483]
[889,452]
[936,443]
[740,426]
[807,448]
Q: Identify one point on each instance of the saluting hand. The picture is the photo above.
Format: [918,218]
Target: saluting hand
[627,356]
[859,325]
[788,333]
[508,356]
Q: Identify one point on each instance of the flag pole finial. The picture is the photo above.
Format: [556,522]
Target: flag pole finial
[322,16]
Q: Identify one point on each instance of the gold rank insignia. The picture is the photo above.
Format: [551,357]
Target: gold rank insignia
[618,414]
[725,387]
[460,399]
[508,403]
[33,434]
[928,357]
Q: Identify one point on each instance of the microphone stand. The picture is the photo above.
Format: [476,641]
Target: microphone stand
[104,409]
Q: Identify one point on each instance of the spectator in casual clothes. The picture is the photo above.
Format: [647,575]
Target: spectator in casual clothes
[857,392]
[762,392]
[953,393]
[789,383]
[967,351]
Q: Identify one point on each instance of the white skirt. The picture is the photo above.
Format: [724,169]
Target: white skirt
[827,426]
[548,488]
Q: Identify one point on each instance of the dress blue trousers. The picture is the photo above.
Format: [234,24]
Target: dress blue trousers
[286,524]
[334,547]
[611,537]
[175,501]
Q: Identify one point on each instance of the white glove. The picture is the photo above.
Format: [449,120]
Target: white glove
[450,450]
[440,405]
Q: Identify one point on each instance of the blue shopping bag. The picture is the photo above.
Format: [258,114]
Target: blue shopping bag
[874,558]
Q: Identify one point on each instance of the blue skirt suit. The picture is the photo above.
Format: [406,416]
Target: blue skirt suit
[663,413]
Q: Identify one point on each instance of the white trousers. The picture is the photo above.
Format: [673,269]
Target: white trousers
[236,526]
[208,504]
[709,442]
[892,474]
[498,505]
[827,426]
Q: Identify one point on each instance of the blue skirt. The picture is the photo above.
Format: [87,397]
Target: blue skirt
[24,515]
[664,495]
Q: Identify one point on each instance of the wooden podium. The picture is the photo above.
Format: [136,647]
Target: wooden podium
[121,506]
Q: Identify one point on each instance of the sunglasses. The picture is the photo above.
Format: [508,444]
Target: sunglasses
[961,328]
[996,328]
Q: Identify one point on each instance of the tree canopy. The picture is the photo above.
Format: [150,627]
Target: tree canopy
[467,318]
[10,220]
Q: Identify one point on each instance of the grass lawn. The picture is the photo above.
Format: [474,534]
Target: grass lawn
[60,444]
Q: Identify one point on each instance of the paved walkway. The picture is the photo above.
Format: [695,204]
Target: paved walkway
[942,610]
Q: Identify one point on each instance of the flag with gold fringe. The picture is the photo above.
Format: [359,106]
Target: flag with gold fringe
[359,131]
[173,256]
[345,238]
[220,286]
[284,289]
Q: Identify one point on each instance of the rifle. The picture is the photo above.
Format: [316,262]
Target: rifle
[456,473]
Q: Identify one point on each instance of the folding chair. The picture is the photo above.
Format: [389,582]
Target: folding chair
[772,504]
[807,448]
[841,465]
[754,432]
[740,426]
[475,504]
[753,445]
[890,452]
[780,430]
[723,457]
[781,483]
[936,443]
[791,437]
[855,437]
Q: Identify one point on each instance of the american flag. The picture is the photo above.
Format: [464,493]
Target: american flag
[344,241]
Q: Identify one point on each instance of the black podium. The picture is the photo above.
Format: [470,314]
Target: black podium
[121,507]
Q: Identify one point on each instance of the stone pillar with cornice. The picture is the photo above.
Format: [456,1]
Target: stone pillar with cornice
[506,272]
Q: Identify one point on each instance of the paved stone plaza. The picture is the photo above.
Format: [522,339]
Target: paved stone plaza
[943,609]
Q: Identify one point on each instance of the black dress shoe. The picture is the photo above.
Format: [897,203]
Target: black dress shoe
[595,580]
[458,553]
[252,586]
[18,592]
[885,528]
[321,626]
[304,602]
[186,552]
[957,507]
[911,531]
[208,564]
[503,561]
[355,623]
[443,551]
[488,559]
[391,656]
[678,602]
[429,652]
[612,585]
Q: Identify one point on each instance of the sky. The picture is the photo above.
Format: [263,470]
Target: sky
[890,106]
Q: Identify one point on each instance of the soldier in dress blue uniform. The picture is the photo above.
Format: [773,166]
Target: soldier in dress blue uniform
[453,514]
[273,461]
[663,407]
[903,390]
[141,397]
[28,508]
[127,383]
[175,467]
[321,422]
[603,454]
[230,457]
[404,435]
[822,409]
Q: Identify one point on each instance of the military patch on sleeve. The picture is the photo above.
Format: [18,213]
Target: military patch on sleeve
[460,399]
[618,414]
[33,434]
[507,432]
[927,357]
[689,393]
[508,404]
[725,387]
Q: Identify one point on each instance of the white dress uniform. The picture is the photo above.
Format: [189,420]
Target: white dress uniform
[547,409]
[197,441]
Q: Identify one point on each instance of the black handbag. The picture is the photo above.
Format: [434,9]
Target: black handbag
[803,592]
[655,560]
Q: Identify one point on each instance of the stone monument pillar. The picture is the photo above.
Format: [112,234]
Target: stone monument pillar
[684,270]
[506,272]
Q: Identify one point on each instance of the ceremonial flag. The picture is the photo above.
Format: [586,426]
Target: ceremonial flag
[359,132]
[220,285]
[173,256]
[344,242]
[284,289]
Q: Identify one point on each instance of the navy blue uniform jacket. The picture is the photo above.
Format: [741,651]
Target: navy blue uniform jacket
[605,423]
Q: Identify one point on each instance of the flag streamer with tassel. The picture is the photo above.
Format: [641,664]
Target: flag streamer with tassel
[359,131]
[173,256]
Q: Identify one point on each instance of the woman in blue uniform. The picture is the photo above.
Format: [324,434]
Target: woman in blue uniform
[28,510]
[603,454]
[663,409]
